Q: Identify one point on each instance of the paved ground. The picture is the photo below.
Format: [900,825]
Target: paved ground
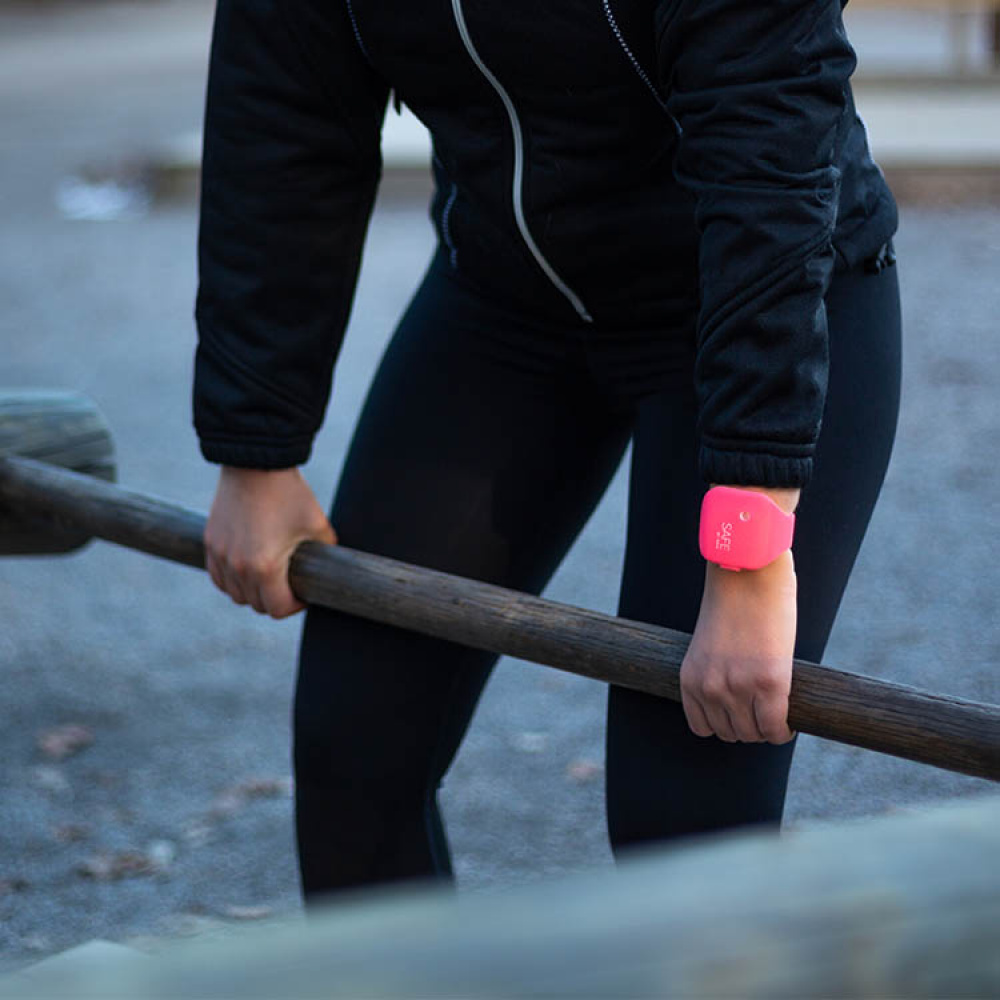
[187,696]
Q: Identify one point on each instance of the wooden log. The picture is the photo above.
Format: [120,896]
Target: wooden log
[61,428]
[944,6]
[958,735]
[901,906]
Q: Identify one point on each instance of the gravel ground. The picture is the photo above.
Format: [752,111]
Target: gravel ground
[186,697]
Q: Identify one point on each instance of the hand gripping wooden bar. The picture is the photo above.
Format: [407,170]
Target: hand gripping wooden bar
[950,733]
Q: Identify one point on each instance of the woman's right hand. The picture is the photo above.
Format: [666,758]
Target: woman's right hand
[258,518]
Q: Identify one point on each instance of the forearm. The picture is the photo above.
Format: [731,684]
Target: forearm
[737,670]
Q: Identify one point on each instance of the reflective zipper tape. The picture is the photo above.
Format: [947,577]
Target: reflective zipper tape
[515,125]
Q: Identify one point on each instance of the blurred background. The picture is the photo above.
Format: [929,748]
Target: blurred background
[145,782]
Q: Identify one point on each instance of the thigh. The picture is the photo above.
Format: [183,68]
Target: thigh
[478,451]
[664,781]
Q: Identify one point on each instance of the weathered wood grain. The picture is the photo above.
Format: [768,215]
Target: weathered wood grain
[900,906]
[862,711]
[61,428]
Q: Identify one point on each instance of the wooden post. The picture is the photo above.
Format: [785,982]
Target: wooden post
[901,906]
[61,428]
[862,711]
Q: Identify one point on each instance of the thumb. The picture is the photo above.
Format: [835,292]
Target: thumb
[327,535]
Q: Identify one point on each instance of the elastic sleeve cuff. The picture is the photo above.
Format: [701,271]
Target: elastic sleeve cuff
[256,454]
[746,468]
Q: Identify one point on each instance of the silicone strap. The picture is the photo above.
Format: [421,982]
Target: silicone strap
[743,529]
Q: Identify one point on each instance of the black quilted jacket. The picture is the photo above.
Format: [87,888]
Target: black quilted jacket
[608,162]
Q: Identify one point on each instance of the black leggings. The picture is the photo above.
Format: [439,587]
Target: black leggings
[486,441]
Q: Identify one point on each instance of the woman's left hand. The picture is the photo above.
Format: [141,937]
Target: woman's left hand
[737,672]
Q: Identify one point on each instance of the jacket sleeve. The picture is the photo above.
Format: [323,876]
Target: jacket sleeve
[758,91]
[290,167]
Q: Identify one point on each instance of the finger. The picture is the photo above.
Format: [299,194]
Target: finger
[276,592]
[233,583]
[744,722]
[694,713]
[279,611]
[279,599]
[253,595]
[212,565]
[718,719]
[772,718]
[727,709]
[291,609]
[257,578]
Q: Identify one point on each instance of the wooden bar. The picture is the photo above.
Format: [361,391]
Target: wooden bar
[958,735]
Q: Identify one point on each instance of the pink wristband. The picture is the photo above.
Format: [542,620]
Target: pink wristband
[743,529]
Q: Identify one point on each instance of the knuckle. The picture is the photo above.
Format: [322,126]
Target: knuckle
[770,681]
[743,685]
[265,567]
[694,661]
[714,687]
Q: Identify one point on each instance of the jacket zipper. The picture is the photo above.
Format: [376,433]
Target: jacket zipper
[643,75]
[446,215]
[515,126]
[446,227]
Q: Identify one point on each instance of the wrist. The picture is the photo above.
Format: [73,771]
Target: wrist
[248,474]
[258,483]
[746,529]
[787,498]
[777,575]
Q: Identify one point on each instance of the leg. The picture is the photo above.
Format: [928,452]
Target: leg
[663,781]
[479,451]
